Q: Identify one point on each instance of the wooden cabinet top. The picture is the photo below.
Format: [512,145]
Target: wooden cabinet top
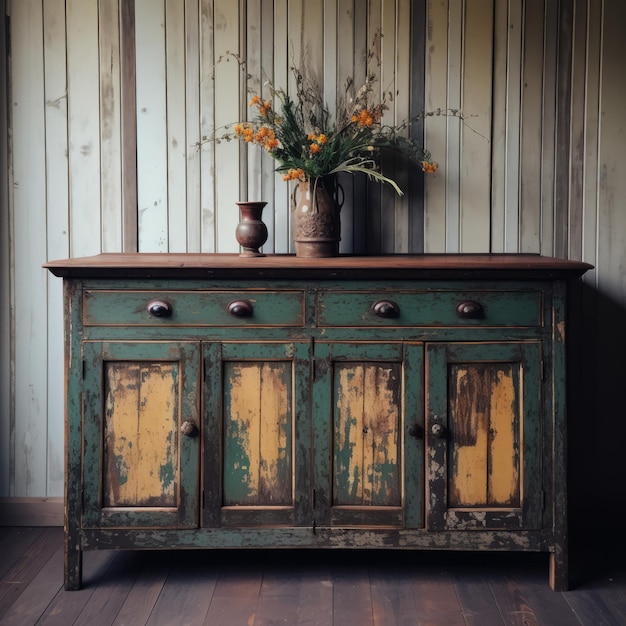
[284,266]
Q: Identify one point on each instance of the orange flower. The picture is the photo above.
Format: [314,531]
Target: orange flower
[314,148]
[429,167]
[322,139]
[365,118]
[270,144]
[255,100]
[295,174]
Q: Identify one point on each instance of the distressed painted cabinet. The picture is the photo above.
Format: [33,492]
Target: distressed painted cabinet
[386,402]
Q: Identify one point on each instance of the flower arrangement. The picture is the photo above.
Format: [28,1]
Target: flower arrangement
[309,143]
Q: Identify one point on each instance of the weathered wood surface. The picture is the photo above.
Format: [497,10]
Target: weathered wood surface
[401,266]
[256,588]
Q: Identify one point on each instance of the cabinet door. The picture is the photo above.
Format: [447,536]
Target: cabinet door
[257,443]
[368,434]
[141,434]
[483,407]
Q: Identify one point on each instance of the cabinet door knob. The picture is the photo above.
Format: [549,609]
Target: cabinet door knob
[439,431]
[240,308]
[189,429]
[386,308]
[415,430]
[470,310]
[159,308]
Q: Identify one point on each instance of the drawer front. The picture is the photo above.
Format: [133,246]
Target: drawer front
[193,308]
[430,308]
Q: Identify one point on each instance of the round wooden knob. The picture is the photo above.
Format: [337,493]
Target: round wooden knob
[240,308]
[386,308]
[438,430]
[470,310]
[159,308]
[189,429]
[415,430]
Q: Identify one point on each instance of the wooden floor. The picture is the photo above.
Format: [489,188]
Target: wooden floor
[251,588]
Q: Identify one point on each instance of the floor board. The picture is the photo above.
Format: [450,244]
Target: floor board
[325,588]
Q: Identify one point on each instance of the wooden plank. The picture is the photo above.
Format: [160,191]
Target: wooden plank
[453,128]
[128,124]
[236,593]
[207,127]
[186,595]
[578,133]
[57,226]
[24,570]
[374,66]
[593,131]
[6,445]
[345,61]
[227,154]
[548,110]
[83,127]
[14,543]
[28,303]
[139,603]
[498,139]
[178,145]
[360,200]
[513,126]
[417,92]
[435,92]
[475,139]
[532,125]
[402,113]
[66,606]
[111,592]
[562,147]
[151,101]
[390,229]
[193,122]
[110,125]
[35,598]
[352,594]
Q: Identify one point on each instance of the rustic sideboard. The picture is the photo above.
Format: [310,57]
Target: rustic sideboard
[394,402]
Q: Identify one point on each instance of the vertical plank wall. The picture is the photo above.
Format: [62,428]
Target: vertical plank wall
[534,165]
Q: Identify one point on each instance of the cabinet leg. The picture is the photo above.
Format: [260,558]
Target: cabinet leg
[73,566]
[559,569]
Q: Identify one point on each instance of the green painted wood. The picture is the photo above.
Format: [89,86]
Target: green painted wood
[312,337]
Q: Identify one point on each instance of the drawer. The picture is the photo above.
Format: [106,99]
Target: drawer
[193,308]
[430,308]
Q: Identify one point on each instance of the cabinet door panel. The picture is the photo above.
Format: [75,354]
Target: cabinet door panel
[256,408]
[139,468]
[368,468]
[367,428]
[484,439]
[258,433]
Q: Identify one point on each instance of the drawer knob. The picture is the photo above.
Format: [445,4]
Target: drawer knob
[189,429]
[470,310]
[159,308]
[415,430]
[387,309]
[439,431]
[240,308]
